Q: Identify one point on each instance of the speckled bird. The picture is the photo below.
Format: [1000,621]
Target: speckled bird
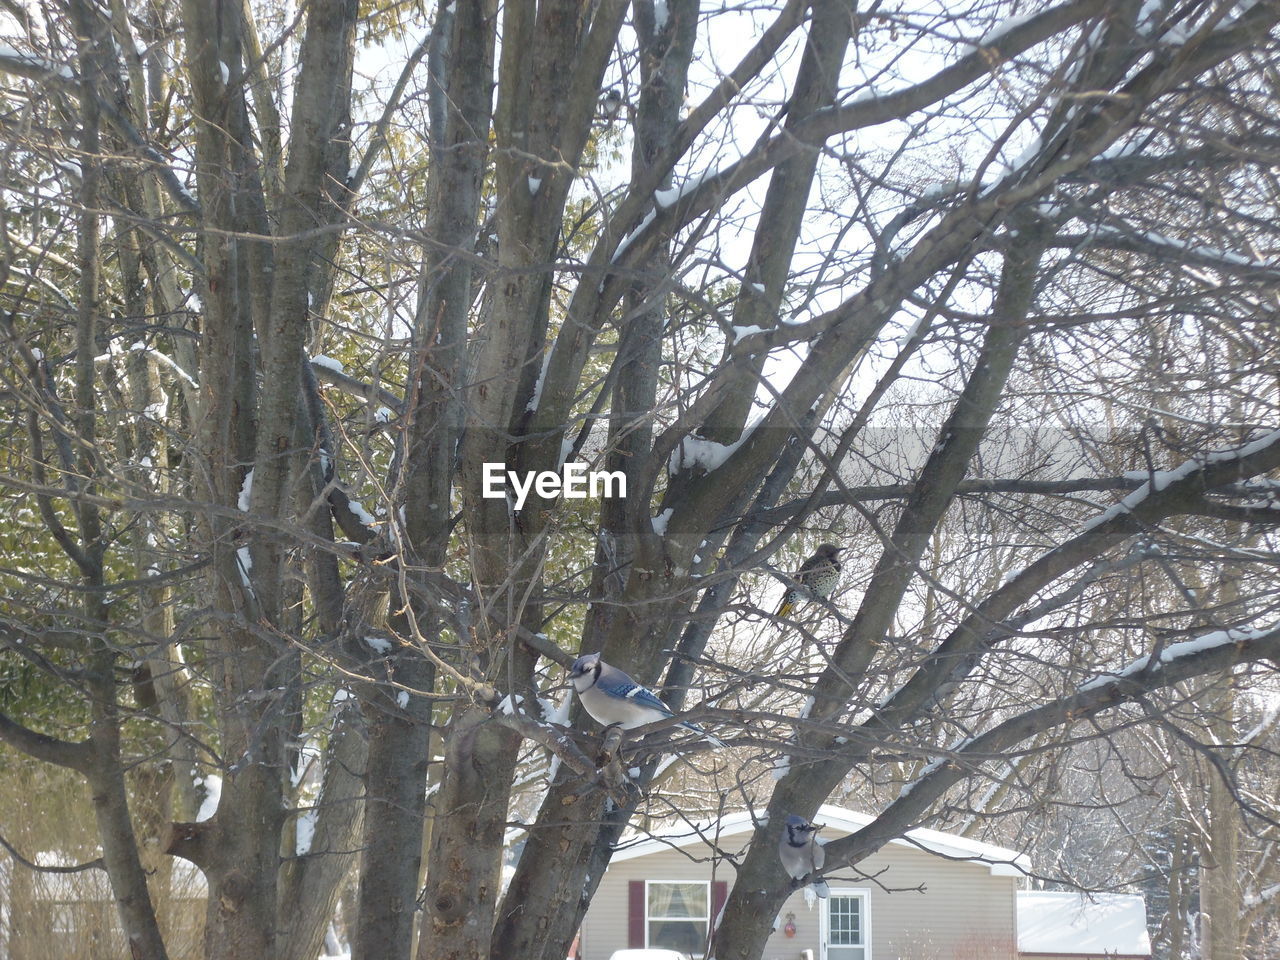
[815,580]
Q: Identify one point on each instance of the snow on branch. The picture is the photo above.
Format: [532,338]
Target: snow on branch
[1163,494]
[693,452]
[630,238]
[1166,248]
[1262,896]
[1175,651]
[333,372]
[1162,480]
[30,65]
[1211,653]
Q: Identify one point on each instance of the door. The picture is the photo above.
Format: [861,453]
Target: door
[846,926]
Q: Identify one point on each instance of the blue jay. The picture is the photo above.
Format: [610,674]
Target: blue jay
[801,854]
[613,698]
[611,104]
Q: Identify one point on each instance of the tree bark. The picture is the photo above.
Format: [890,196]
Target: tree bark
[785,205]
[105,769]
[395,807]
[467,838]
[310,882]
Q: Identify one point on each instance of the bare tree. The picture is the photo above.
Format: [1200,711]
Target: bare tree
[988,298]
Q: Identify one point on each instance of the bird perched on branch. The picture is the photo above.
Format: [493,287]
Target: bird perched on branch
[801,854]
[613,698]
[815,579]
[611,104]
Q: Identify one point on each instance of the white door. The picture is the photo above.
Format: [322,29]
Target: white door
[846,926]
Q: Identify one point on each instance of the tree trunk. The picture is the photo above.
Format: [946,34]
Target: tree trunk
[105,769]
[1175,920]
[310,882]
[460,68]
[785,205]
[471,819]
[1221,906]
[395,800]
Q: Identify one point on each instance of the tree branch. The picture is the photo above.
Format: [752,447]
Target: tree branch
[1211,653]
[62,753]
[95,864]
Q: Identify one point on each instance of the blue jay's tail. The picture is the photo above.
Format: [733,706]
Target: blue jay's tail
[705,736]
[821,889]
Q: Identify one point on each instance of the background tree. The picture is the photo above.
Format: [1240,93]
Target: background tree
[988,298]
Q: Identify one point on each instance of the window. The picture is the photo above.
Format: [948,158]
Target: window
[847,927]
[63,917]
[677,914]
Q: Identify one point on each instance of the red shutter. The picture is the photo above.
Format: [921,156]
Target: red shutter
[635,913]
[719,894]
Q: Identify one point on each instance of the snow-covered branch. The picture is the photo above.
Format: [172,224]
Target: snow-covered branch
[1209,654]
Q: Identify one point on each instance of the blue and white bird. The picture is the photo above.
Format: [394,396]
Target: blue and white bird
[614,699]
[801,853]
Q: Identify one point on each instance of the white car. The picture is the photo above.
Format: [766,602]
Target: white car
[649,953]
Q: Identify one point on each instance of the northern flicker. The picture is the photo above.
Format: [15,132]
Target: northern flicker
[815,579]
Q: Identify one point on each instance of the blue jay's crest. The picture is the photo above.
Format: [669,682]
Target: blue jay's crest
[588,663]
[799,830]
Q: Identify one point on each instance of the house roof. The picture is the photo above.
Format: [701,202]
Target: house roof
[1086,924]
[1001,861]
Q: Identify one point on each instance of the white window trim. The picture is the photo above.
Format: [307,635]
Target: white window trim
[706,919]
[64,911]
[824,921]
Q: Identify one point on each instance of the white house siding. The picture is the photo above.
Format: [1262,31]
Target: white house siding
[964,913]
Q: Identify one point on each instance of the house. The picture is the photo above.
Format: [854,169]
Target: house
[73,916]
[1072,926]
[951,897]
[935,896]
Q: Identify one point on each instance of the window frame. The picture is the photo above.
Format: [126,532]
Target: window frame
[705,920]
[824,920]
